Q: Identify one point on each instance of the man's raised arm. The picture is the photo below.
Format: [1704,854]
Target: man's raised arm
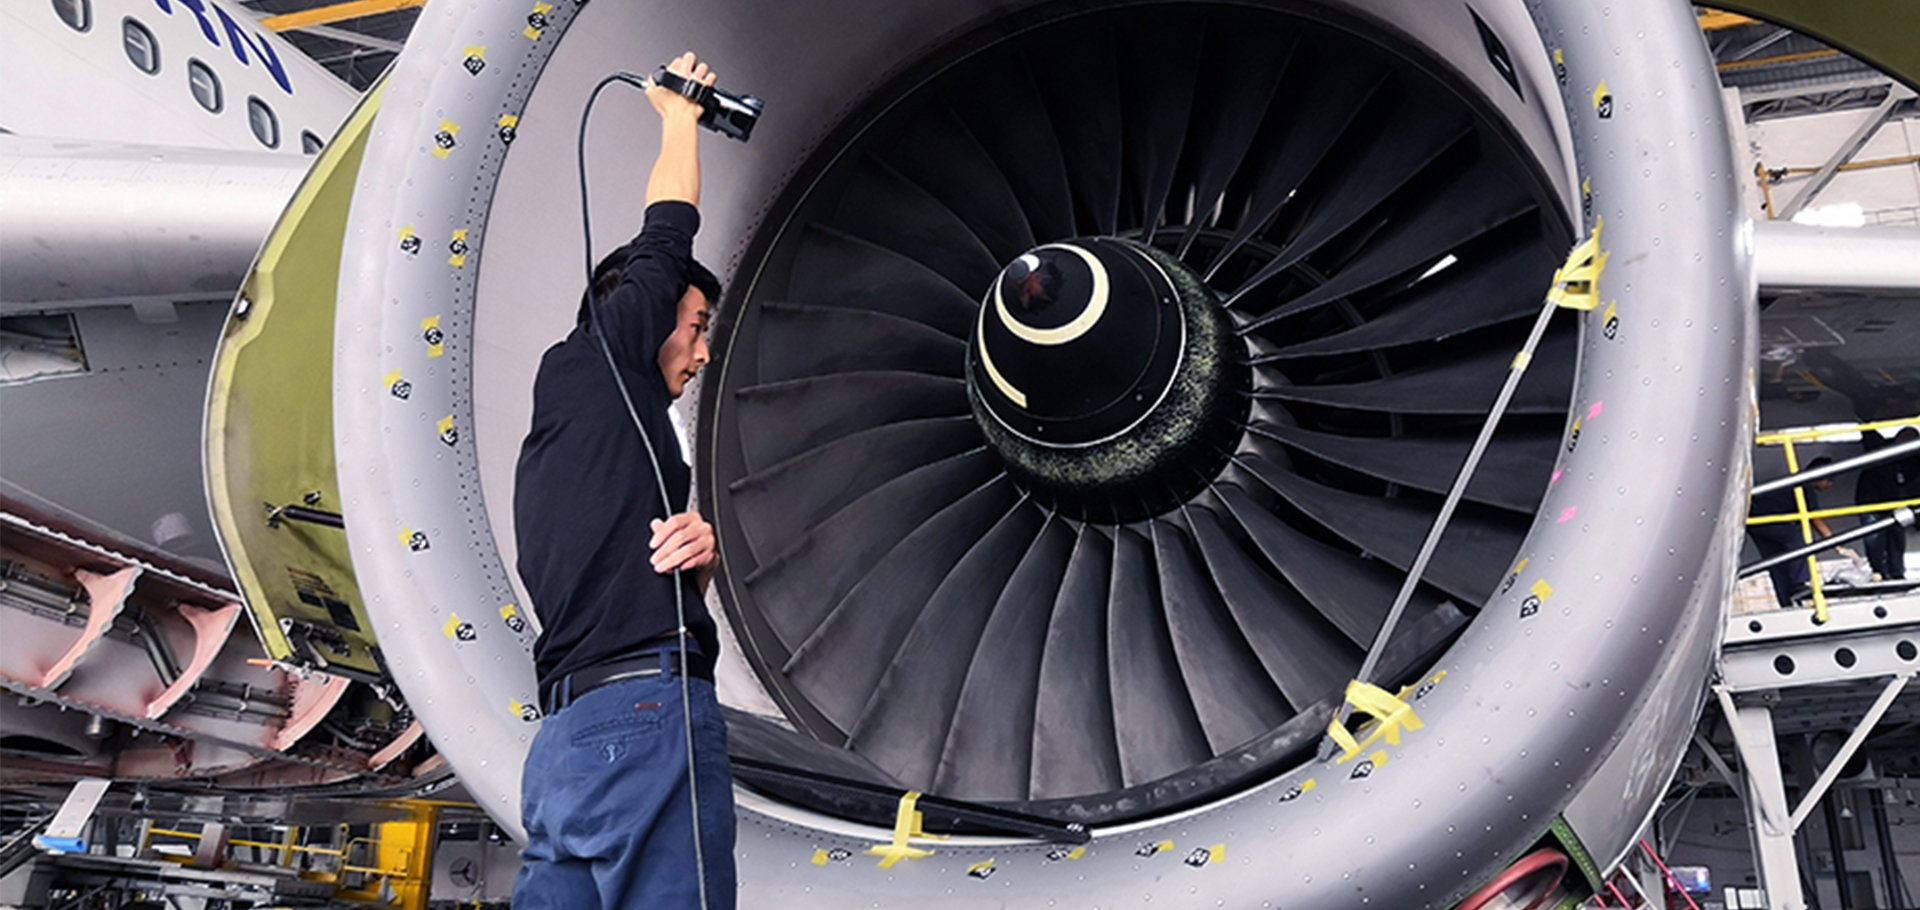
[676,173]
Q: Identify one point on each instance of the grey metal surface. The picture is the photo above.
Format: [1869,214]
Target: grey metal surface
[1788,256]
[93,223]
[1863,639]
[1582,677]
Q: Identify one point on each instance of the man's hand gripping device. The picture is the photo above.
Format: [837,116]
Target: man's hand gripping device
[722,111]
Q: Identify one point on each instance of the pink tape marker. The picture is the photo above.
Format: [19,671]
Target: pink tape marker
[1567,515]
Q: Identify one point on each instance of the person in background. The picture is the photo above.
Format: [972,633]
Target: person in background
[1888,481]
[1773,539]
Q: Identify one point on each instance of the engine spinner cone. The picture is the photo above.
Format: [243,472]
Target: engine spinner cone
[1106,374]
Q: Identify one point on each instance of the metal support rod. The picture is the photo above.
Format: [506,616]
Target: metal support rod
[1902,517]
[1852,745]
[1460,480]
[1846,151]
[278,514]
[1841,881]
[1886,453]
[1766,789]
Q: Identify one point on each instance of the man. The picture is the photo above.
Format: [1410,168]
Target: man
[1888,481]
[1773,539]
[605,795]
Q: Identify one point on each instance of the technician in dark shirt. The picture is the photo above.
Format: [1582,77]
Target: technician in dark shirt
[605,796]
[1888,481]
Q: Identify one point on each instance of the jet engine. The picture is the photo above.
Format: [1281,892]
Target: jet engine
[1088,379]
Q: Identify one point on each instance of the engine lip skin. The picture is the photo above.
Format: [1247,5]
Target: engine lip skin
[1592,684]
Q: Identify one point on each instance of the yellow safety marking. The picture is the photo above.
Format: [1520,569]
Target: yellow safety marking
[1541,589]
[338,12]
[509,127]
[1576,285]
[1610,315]
[509,611]
[1599,92]
[980,867]
[1575,432]
[1217,853]
[474,58]
[1378,758]
[1390,714]
[537,21]
[1586,188]
[1559,56]
[458,246]
[429,329]
[523,710]
[509,121]
[443,140]
[452,625]
[406,535]
[819,857]
[1308,786]
[445,426]
[388,380]
[407,241]
[907,823]
[1076,853]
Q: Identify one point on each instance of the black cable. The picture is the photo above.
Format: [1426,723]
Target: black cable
[679,604]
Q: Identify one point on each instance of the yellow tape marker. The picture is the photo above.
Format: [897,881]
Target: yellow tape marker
[1309,785]
[906,825]
[819,857]
[388,380]
[1559,56]
[1599,94]
[444,140]
[1163,846]
[452,626]
[1076,853]
[1576,285]
[1542,590]
[509,127]
[474,58]
[981,869]
[1217,854]
[1378,758]
[1390,714]
[409,243]
[458,247]
[537,21]
[445,426]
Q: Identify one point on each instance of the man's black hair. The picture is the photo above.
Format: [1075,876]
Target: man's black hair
[607,275]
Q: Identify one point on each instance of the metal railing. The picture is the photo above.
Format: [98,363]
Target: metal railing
[1901,511]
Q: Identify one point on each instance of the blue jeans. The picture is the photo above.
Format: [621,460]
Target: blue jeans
[605,801]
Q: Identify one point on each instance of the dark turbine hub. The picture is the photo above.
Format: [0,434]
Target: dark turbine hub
[1104,373]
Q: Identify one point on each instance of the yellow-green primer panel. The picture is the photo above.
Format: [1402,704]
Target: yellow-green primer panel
[269,432]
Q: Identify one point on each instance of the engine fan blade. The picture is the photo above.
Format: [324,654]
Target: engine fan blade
[798,341]
[903,728]
[832,268]
[1154,720]
[1080,85]
[942,156]
[886,208]
[841,663]
[1034,167]
[799,585]
[1472,294]
[779,504]
[1240,79]
[1352,593]
[1075,747]
[1229,688]
[1464,386]
[1326,95]
[1472,554]
[783,419]
[1511,473]
[1158,105]
[1478,201]
[1303,654]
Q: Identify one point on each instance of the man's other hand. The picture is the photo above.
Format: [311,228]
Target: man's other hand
[671,103]
[684,541]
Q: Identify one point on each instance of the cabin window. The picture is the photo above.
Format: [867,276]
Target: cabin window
[205,86]
[77,14]
[141,48]
[310,143]
[266,127]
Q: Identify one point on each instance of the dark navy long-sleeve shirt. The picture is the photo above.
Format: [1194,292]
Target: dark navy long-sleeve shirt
[585,493]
